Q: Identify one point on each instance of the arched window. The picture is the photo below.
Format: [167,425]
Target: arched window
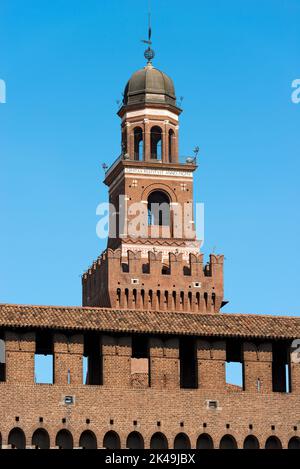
[88,440]
[174,302]
[171,145]
[118,296]
[198,300]
[213,300]
[182,441]
[251,442]
[143,298]
[294,443]
[134,297]
[156,143]
[228,442]
[16,438]
[166,299]
[158,299]
[135,441]
[181,302]
[150,299]
[126,297]
[138,144]
[111,440]
[158,441]
[205,300]
[204,442]
[40,439]
[64,440]
[158,209]
[273,443]
[190,300]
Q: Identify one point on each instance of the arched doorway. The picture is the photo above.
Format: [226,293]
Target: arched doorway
[182,441]
[273,443]
[135,441]
[251,442]
[88,440]
[294,443]
[64,440]
[16,439]
[228,442]
[111,440]
[158,441]
[204,442]
[41,439]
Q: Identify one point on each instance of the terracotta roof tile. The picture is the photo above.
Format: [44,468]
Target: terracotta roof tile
[103,319]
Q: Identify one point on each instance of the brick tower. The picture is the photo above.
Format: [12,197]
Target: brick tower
[153,258]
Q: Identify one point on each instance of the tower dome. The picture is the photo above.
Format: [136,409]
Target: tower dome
[149,85]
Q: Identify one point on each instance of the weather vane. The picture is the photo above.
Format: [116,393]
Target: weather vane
[149,53]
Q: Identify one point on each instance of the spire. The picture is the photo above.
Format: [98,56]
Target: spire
[149,53]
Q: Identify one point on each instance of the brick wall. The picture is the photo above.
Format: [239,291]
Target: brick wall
[127,401]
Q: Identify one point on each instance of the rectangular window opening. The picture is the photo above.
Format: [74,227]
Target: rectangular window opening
[92,360]
[43,358]
[188,363]
[140,346]
[234,366]
[281,374]
[140,351]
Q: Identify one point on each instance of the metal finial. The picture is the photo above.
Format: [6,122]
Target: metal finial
[149,53]
[196,151]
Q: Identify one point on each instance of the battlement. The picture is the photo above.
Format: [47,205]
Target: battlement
[151,283]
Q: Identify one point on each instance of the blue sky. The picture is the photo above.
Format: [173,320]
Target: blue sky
[65,64]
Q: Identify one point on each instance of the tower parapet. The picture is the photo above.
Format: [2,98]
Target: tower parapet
[137,283]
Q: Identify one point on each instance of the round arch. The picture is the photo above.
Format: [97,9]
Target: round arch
[228,442]
[158,204]
[273,442]
[169,191]
[88,440]
[138,143]
[182,441]
[156,143]
[40,439]
[204,441]
[64,439]
[135,441]
[111,440]
[251,442]
[294,443]
[158,441]
[16,438]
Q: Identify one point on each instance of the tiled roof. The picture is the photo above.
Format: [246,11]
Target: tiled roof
[104,319]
